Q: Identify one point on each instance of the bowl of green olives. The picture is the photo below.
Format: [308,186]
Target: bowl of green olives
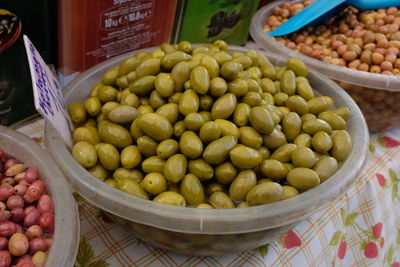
[209,149]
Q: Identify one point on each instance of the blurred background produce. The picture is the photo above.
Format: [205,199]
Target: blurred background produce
[364,41]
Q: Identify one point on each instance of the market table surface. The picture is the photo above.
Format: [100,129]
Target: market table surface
[361,228]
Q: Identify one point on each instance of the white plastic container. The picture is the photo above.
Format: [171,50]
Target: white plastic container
[208,231]
[364,87]
[66,235]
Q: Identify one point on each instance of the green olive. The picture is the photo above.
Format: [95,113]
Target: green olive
[99,172]
[211,65]
[238,87]
[175,168]
[225,173]
[192,189]
[303,157]
[179,128]
[228,128]
[268,72]
[200,79]
[252,85]
[325,168]
[218,150]
[180,74]
[289,191]
[154,125]
[124,173]
[224,106]
[274,139]
[334,120]
[147,146]
[111,182]
[130,99]
[311,127]
[307,117]
[85,154]
[153,164]
[303,140]
[288,82]
[218,87]
[250,137]
[149,66]
[304,90]
[252,99]
[245,157]
[273,169]
[222,57]
[343,112]
[109,156]
[167,148]
[128,65]
[171,198]
[167,48]
[143,85]
[107,93]
[303,178]
[318,104]
[220,200]
[261,120]
[135,131]
[298,66]
[123,114]
[283,153]
[77,112]
[264,152]
[280,99]
[175,98]
[193,121]
[268,86]
[108,107]
[156,100]
[131,187]
[164,84]
[188,102]
[154,183]
[241,114]
[264,193]
[115,134]
[93,106]
[110,76]
[173,58]
[130,157]
[185,46]
[230,70]
[321,142]
[206,115]
[169,111]
[190,145]
[291,125]
[206,102]
[240,186]
[204,206]
[87,134]
[341,145]
[214,187]
[201,169]
[297,104]
[210,131]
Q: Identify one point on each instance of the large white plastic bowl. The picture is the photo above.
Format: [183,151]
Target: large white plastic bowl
[66,235]
[208,231]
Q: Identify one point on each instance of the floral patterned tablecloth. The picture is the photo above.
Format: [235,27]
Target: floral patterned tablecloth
[361,228]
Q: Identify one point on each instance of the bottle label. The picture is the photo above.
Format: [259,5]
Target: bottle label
[10,29]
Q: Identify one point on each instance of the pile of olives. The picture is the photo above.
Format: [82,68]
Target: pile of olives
[208,128]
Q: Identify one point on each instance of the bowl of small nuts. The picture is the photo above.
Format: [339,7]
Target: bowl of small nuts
[39,223]
[357,49]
